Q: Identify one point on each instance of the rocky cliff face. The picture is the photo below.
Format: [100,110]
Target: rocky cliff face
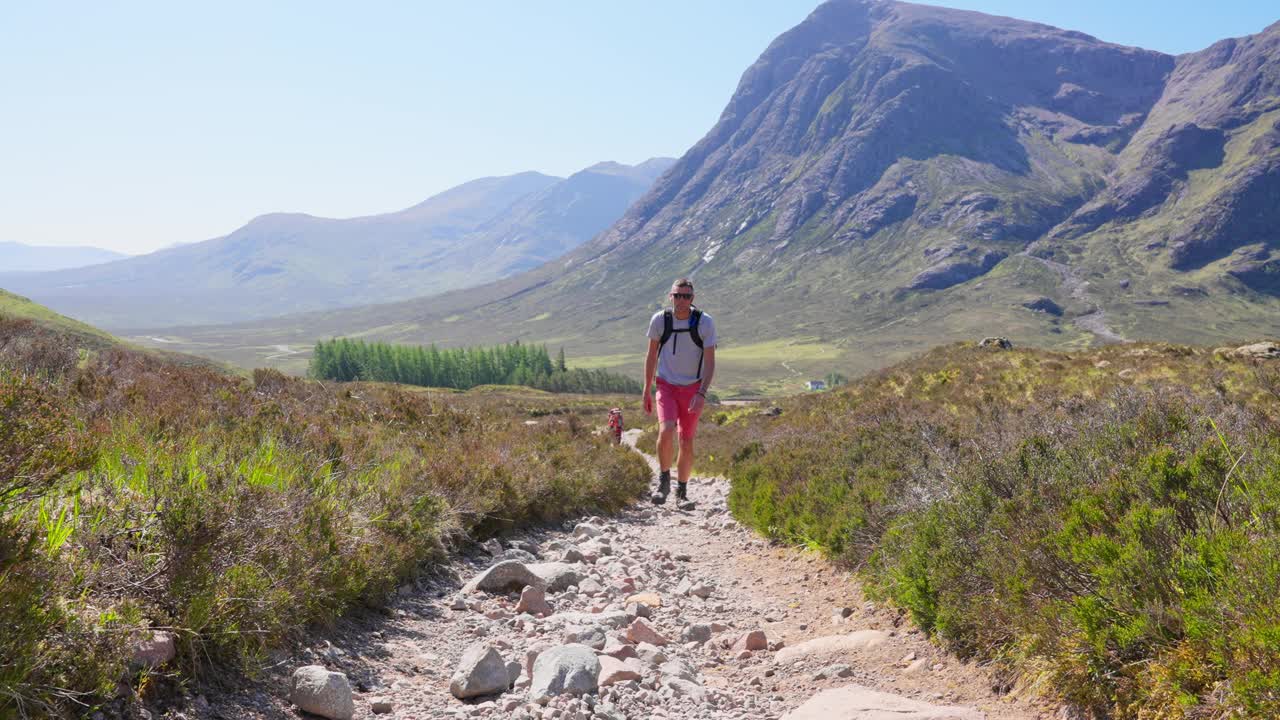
[1228,94]
[874,114]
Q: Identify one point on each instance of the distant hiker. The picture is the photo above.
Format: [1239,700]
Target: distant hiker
[615,425]
[682,347]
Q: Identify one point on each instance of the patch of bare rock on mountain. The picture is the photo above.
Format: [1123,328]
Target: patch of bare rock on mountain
[654,613]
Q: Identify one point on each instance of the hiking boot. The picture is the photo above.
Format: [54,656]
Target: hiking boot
[682,496]
[664,487]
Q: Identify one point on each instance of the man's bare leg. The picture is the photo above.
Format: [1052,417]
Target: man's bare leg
[684,465]
[666,451]
[684,469]
[666,445]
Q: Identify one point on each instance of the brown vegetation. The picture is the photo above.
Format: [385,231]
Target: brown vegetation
[137,495]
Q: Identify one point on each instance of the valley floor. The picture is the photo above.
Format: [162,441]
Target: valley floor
[821,633]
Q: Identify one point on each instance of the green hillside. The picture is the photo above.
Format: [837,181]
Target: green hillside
[19,307]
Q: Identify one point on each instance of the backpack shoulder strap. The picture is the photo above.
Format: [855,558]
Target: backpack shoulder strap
[667,322]
[694,317]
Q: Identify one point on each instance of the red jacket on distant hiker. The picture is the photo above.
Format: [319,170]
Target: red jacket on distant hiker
[682,351]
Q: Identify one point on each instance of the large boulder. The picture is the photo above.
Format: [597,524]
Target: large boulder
[481,671]
[321,692]
[564,670]
[854,702]
[517,555]
[555,576]
[831,646]
[504,576]
[1260,351]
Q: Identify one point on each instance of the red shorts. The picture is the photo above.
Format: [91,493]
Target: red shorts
[673,406]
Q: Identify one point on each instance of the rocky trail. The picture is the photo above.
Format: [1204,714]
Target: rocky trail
[653,613]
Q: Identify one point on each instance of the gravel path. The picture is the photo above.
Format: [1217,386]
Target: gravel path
[711,584]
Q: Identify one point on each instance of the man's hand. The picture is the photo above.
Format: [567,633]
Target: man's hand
[648,402]
[695,405]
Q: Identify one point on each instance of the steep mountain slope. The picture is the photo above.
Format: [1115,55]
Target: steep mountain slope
[18,257]
[888,176]
[1195,197]
[280,263]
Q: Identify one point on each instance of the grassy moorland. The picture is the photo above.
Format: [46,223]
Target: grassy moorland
[1103,524]
[137,494]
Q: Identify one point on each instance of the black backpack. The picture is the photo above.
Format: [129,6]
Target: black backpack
[668,322]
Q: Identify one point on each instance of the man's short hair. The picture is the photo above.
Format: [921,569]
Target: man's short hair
[683,282]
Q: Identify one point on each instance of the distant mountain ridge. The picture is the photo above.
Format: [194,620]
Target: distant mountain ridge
[888,176]
[20,257]
[291,262]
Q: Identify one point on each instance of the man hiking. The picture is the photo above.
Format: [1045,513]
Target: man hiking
[682,347]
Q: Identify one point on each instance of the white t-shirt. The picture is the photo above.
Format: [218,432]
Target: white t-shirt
[678,359]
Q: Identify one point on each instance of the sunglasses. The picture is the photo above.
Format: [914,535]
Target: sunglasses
[682,296]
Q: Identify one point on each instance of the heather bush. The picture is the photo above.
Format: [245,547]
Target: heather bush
[142,495]
[1103,523]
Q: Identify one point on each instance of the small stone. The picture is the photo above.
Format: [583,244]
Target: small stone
[380,705]
[155,650]
[754,640]
[696,633]
[640,631]
[533,600]
[321,692]
[639,610]
[614,671]
[481,671]
[649,599]
[703,591]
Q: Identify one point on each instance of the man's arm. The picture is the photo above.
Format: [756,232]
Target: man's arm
[650,364]
[708,373]
[708,368]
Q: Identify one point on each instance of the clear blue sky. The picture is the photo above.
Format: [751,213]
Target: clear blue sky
[134,125]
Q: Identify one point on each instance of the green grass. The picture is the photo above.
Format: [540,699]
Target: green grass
[780,350]
[594,362]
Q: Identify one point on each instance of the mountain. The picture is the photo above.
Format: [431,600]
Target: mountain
[889,176]
[280,263]
[17,257]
